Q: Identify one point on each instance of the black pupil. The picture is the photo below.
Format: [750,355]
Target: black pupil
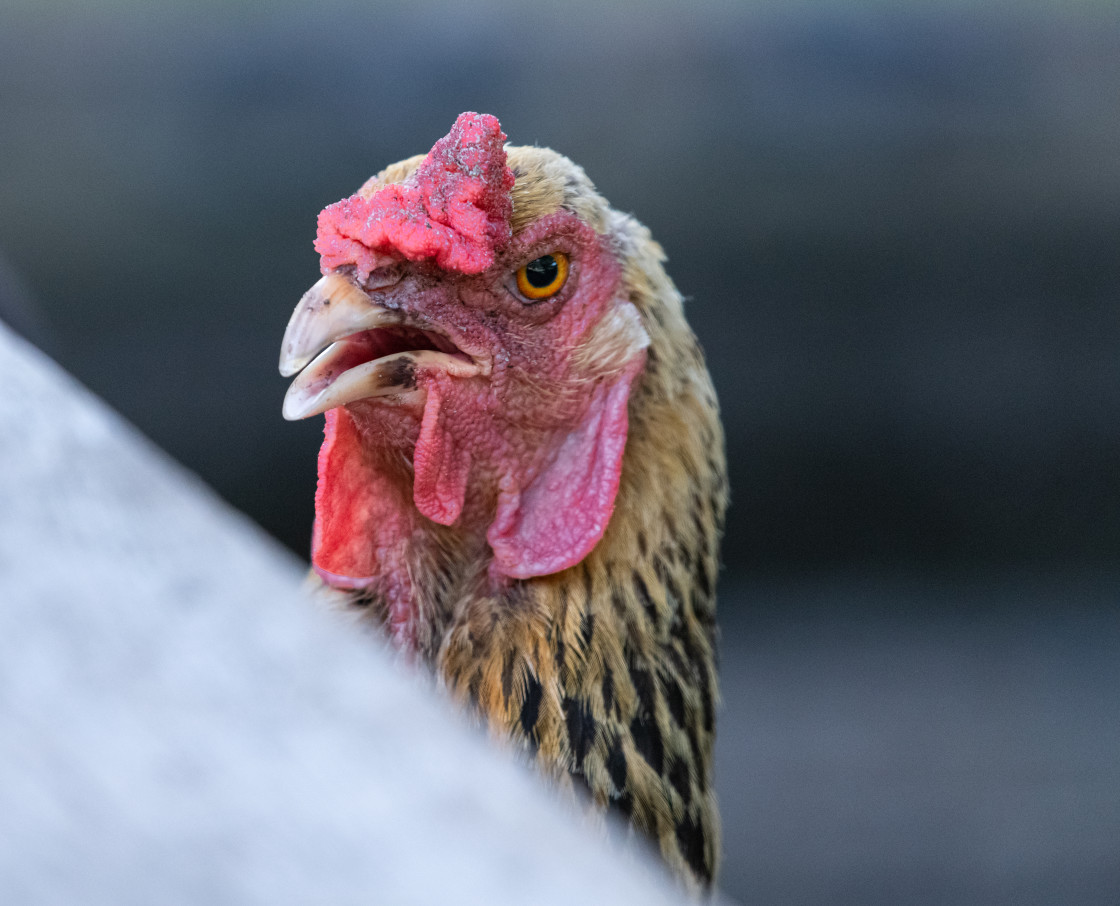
[541,271]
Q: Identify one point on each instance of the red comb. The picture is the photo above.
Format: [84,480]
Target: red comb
[454,208]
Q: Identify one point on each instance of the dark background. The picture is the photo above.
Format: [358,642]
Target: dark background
[898,227]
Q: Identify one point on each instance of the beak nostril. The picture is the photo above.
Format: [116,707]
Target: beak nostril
[382,278]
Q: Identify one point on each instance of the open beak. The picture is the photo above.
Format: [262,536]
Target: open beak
[346,347]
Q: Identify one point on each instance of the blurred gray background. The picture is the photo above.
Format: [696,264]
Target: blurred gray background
[898,227]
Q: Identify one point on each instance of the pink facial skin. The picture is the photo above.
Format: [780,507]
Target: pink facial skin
[528,455]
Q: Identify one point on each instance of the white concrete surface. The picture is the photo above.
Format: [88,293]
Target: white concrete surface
[179,725]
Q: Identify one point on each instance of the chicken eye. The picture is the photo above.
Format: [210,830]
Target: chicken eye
[543,277]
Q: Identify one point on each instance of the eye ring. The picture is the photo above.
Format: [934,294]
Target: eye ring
[543,277]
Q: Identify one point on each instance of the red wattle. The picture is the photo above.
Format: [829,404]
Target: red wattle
[360,512]
[441,463]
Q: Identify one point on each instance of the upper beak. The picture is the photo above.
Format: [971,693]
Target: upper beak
[333,308]
[335,313]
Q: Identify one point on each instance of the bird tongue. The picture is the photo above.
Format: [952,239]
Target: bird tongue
[455,208]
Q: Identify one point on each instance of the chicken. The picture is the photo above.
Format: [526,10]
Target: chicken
[522,478]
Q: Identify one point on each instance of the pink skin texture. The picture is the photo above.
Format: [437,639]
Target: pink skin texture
[527,454]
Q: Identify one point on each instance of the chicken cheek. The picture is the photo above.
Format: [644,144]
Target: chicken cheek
[554,521]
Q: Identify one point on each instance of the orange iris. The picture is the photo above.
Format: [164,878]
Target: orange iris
[543,277]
